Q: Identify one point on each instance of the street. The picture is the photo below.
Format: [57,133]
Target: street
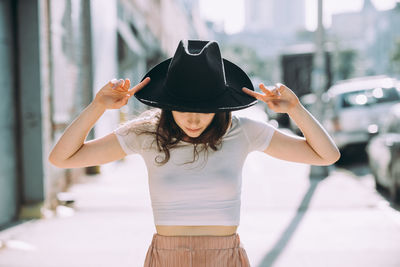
[286,220]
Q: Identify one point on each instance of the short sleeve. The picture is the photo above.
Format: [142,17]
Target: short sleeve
[129,139]
[258,133]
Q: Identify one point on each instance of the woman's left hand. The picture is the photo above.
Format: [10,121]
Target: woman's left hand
[279,98]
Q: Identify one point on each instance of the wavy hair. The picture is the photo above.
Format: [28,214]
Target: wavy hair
[168,134]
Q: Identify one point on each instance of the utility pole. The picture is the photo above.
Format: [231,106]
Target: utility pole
[319,82]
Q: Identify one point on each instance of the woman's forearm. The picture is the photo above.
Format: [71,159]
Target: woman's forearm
[315,135]
[75,134]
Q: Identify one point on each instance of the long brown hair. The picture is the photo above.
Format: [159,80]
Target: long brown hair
[168,134]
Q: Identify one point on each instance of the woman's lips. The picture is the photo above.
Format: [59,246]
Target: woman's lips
[193,130]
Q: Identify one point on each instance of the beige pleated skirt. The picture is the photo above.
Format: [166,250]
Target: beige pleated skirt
[196,251]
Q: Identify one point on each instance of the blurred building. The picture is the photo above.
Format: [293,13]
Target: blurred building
[372,36]
[265,29]
[265,35]
[56,55]
[273,16]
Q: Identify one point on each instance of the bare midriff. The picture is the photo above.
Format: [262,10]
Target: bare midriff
[175,230]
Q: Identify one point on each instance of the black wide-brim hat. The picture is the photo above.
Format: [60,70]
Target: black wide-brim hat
[197,79]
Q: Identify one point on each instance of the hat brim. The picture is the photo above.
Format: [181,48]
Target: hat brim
[233,98]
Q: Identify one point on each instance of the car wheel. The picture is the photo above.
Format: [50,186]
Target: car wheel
[395,177]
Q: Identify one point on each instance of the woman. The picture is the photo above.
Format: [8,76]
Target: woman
[194,149]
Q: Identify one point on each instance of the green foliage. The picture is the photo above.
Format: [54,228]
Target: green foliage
[395,56]
[345,66]
[249,61]
[305,36]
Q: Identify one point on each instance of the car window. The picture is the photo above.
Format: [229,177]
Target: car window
[369,97]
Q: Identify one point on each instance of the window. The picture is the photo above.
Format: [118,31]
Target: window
[370,97]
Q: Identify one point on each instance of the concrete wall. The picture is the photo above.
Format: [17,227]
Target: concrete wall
[8,122]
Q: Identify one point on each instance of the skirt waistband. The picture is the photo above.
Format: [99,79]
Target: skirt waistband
[196,242]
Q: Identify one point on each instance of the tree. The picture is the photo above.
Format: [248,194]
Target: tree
[345,66]
[395,57]
[248,59]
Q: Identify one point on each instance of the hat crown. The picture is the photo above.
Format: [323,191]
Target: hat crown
[196,72]
[197,79]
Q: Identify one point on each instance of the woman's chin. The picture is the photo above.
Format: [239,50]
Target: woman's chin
[193,135]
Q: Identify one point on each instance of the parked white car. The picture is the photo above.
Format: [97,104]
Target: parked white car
[383,152]
[355,109]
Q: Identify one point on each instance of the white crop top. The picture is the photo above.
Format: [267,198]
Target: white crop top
[207,192]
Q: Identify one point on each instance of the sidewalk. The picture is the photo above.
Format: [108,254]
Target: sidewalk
[112,224]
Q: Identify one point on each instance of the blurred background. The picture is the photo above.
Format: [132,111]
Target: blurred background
[341,58]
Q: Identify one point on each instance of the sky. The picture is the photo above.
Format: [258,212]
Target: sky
[231,12]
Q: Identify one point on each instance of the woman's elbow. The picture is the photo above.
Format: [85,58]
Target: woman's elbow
[55,162]
[332,160]
[337,157]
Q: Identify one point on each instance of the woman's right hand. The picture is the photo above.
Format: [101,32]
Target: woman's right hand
[116,93]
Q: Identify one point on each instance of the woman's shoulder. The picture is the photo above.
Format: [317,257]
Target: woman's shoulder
[245,122]
[242,121]
[258,132]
